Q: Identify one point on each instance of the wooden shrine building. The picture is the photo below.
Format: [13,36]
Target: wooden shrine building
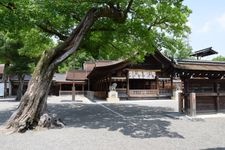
[154,78]
[150,79]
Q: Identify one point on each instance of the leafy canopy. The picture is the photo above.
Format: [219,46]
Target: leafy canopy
[150,25]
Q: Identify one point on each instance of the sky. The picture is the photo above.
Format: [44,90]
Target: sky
[207,23]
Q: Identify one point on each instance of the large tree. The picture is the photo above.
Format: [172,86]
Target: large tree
[119,28]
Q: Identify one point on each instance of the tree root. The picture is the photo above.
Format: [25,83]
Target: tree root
[50,121]
[46,121]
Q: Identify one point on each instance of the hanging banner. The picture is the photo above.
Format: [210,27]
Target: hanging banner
[1,89]
[141,74]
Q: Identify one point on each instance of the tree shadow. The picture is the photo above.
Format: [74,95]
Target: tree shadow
[131,120]
[5,114]
[217,148]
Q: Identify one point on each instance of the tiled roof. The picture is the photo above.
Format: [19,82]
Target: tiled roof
[59,77]
[105,70]
[77,75]
[89,65]
[200,65]
[204,52]
[15,78]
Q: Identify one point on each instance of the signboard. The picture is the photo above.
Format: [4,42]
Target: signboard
[1,89]
[141,74]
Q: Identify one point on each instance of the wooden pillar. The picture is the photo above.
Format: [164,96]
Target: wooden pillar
[186,94]
[192,104]
[180,102]
[60,88]
[171,85]
[110,80]
[128,84]
[157,85]
[82,88]
[217,97]
[73,92]
[98,85]
[10,88]
[88,84]
[106,86]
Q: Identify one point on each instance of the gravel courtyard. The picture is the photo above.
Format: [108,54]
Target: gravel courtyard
[123,126]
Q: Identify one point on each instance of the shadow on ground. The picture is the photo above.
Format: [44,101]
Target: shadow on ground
[217,148]
[131,120]
[5,114]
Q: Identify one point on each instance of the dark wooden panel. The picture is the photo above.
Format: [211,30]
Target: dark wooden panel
[222,102]
[204,103]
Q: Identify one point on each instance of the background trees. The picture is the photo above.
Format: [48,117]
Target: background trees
[20,52]
[219,58]
[102,28]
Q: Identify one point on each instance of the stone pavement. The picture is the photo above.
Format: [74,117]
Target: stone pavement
[123,126]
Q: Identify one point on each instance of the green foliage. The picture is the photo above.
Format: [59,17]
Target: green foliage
[177,49]
[150,25]
[35,42]
[9,54]
[219,58]
[75,61]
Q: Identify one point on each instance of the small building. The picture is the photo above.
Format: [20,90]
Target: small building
[14,84]
[62,83]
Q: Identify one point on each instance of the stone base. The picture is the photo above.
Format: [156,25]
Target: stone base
[113,97]
[113,100]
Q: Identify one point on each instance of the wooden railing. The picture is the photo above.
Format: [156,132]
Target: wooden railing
[70,92]
[144,93]
[165,92]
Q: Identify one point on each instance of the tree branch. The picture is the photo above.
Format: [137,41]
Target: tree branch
[157,22]
[104,29]
[72,43]
[129,6]
[11,6]
[52,31]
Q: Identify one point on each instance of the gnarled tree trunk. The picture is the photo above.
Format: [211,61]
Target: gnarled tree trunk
[33,102]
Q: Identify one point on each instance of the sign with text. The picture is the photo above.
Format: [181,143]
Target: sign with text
[1,89]
[141,74]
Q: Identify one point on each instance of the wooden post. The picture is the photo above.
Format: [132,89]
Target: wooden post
[186,93]
[60,88]
[157,85]
[217,97]
[128,84]
[83,89]
[73,92]
[192,104]
[171,85]
[180,102]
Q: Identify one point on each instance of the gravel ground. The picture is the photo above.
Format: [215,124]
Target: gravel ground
[123,126]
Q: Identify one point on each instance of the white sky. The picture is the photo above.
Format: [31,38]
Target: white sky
[207,23]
